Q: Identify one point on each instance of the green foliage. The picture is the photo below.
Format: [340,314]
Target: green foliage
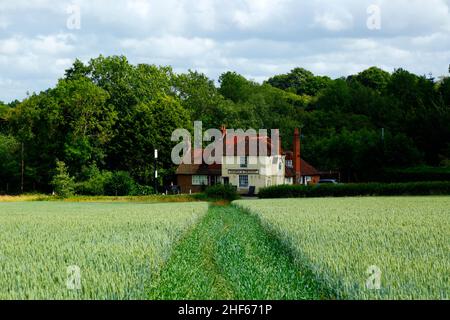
[4,112]
[416,174]
[9,163]
[120,184]
[62,182]
[361,155]
[222,192]
[301,82]
[200,97]
[374,78]
[144,190]
[235,87]
[95,183]
[114,114]
[355,189]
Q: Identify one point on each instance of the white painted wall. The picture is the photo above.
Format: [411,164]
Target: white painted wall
[271,171]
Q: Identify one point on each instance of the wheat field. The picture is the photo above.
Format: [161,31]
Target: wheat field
[367,248]
[87,251]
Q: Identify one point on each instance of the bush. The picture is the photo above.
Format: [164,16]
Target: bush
[144,190]
[96,182]
[120,184]
[62,182]
[349,190]
[222,192]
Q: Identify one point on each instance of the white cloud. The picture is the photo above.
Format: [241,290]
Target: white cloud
[257,38]
[334,21]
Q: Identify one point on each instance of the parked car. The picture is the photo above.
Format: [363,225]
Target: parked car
[328,181]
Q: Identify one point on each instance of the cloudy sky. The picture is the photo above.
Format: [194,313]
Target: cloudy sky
[39,39]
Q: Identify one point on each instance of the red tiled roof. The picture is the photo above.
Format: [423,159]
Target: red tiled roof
[199,169]
[307,169]
[257,141]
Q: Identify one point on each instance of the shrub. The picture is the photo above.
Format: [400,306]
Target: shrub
[62,182]
[349,190]
[120,184]
[96,182]
[141,190]
[222,192]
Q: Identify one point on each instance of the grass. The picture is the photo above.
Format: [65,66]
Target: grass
[135,199]
[407,238]
[25,197]
[230,256]
[119,248]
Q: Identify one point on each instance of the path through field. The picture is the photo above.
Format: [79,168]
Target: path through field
[230,256]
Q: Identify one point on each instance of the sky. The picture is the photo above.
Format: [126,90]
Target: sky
[40,39]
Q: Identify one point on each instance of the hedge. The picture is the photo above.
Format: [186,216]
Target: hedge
[222,192]
[416,174]
[349,190]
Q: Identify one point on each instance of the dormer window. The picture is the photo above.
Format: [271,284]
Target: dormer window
[289,164]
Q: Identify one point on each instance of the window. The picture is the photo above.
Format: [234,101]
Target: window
[199,180]
[243,181]
[289,164]
[244,162]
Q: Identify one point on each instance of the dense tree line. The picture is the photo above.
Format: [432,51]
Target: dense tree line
[103,120]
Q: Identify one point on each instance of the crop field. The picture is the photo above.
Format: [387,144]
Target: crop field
[366,248]
[87,251]
[287,249]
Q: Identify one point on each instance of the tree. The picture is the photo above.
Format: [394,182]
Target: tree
[113,114]
[71,122]
[374,78]
[94,181]
[150,127]
[300,81]
[235,87]
[120,184]
[63,183]
[9,164]
[4,109]
[199,96]
[88,121]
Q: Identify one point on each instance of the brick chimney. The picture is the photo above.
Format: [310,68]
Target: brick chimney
[223,129]
[297,161]
[280,145]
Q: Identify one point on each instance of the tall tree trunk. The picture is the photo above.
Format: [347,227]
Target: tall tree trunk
[22,170]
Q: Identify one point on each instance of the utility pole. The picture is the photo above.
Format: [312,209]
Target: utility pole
[156,172]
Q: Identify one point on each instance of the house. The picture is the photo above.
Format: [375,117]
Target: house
[308,176]
[259,169]
[193,178]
